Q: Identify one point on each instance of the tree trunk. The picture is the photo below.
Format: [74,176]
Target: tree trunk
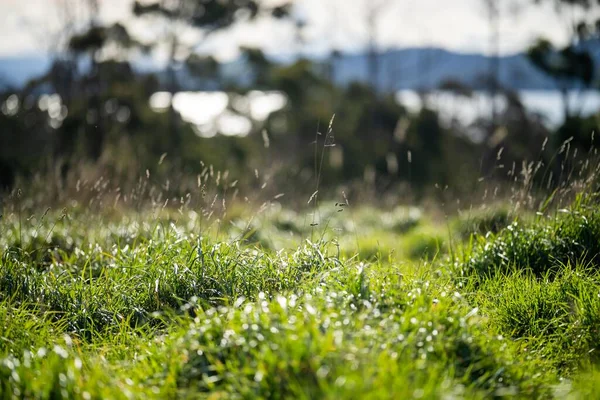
[173,88]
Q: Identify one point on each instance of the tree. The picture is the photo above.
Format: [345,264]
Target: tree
[494,74]
[203,17]
[370,13]
[374,12]
[571,66]
[80,37]
[91,44]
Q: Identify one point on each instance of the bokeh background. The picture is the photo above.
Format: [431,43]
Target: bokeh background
[372,96]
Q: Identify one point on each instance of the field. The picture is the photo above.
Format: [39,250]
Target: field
[333,301]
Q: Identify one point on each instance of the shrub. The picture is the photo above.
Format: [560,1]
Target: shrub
[571,237]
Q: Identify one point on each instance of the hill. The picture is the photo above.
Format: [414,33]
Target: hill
[409,68]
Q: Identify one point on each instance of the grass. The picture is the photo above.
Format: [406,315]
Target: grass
[347,303]
[572,237]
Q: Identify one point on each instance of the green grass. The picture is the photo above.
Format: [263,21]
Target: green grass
[544,247]
[345,303]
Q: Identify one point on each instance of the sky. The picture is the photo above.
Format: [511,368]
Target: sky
[31,26]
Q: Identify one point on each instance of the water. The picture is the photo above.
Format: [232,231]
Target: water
[466,110]
[220,112]
[235,115]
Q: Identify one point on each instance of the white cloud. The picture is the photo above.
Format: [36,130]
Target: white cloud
[35,25]
[30,26]
[458,24]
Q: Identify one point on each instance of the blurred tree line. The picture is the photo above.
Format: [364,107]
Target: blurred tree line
[91,111]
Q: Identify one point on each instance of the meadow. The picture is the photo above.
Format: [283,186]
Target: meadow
[135,296]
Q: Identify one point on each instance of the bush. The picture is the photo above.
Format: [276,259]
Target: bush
[558,319]
[571,237]
[481,222]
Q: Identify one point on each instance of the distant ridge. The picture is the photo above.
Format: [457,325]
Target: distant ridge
[15,71]
[409,68]
[428,68]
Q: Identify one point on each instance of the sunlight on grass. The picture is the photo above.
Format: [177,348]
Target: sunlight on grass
[365,303]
